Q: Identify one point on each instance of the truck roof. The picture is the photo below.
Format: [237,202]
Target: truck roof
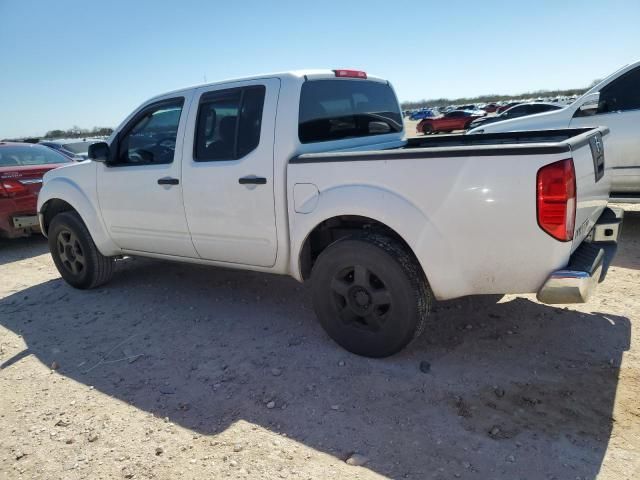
[299,75]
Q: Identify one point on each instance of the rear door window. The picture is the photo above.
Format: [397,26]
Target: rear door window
[339,109]
[229,122]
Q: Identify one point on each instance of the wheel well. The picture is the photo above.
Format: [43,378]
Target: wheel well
[52,208]
[332,229]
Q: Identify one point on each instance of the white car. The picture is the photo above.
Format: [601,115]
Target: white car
[307,174]
[615,103]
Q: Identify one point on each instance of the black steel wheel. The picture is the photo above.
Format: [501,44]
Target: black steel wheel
[370,294]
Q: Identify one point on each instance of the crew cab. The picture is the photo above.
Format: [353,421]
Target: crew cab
[22,166]
[613,102]
[450,121]
[308,174]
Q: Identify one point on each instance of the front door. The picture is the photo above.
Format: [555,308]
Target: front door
[228,173]
[140,190]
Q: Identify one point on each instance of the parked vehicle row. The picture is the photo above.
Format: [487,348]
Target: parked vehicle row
[309,174]
[469,116]
[486,108]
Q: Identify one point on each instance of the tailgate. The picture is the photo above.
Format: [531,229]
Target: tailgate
[593,181]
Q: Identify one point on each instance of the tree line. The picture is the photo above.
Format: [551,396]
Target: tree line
[77,132]
[73,132]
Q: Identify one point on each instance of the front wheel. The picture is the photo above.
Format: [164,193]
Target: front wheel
[427,129]
[370,295]
[75,255]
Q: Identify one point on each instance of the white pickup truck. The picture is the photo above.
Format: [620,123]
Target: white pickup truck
[615,103]
[307,174]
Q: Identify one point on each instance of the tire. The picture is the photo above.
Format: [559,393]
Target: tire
[77,258]
[427,129]
[370,295]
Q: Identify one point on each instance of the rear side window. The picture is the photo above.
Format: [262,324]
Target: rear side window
[520,110]
[337,109]
[229,122]
[621,95]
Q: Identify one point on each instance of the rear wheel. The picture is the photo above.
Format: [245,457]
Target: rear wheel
[370,295]
[75,255]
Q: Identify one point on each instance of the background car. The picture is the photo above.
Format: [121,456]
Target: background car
[491,107]
[73,148]
[22,166]
[423,113]
[454,120]
[521,110]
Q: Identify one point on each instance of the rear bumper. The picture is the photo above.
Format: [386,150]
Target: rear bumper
[625,197]
[7,230]
[588,265]
[17,220]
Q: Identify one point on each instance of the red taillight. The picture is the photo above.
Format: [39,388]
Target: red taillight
[350,74]
[11,188]
[556,199]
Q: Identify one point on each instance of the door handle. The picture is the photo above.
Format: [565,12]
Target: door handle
[252,181]
[168,181]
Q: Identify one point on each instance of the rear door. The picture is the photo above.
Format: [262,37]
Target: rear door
[455,121]
[228,172]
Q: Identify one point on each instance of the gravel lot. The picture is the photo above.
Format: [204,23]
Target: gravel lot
[180,371]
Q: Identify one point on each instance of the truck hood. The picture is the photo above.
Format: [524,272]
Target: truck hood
[540,121]
[71,171]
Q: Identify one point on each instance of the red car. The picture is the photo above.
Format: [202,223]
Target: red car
[454,120]
[491,108]
[22,166]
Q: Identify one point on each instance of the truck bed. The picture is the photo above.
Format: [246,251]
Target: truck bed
[466,203]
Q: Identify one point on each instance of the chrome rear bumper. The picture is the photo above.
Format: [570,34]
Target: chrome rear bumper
[588,265]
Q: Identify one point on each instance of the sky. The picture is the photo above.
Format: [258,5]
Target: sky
[90,63]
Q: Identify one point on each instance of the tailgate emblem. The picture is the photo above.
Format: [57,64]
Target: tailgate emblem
[598,144]
[597,154]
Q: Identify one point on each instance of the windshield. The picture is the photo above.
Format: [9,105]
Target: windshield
[18,156]
[337,109]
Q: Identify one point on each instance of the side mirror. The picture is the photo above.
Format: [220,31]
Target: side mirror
[99,152]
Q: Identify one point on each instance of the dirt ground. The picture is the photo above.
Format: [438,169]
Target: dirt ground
[180,371]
